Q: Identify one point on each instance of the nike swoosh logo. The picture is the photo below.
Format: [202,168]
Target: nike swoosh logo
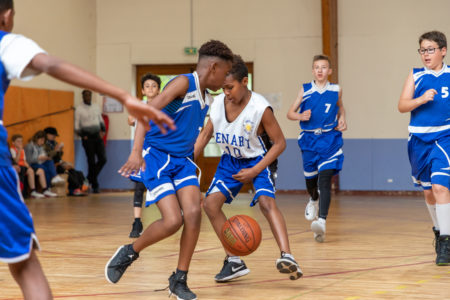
[236,269]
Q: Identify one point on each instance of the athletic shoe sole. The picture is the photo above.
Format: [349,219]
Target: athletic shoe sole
[107,264]
[312,216]
[233,276]
[174,295]
[286,266]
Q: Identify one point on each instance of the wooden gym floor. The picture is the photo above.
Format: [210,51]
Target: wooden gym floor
[377,247]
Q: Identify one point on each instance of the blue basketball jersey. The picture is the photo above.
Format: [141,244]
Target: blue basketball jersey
[431,121]
[5,156]
[188,114]
[323,105]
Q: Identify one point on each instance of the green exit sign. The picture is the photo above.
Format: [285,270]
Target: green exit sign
[190,50]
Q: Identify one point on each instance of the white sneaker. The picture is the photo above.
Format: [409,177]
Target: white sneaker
[319,227]
[57,179]
[49,193]
[311,210]
[35,194]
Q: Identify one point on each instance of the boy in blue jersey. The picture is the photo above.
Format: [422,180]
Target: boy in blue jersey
[238,118]
[426,95]
[150,85]
[320,110]
[169,173]
[22,58]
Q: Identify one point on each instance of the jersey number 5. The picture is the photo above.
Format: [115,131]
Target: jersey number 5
[444,91]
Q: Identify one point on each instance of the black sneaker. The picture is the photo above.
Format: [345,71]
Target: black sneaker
[287,265]
[231,270]
[119,262]
[179,288]
[443,255]
[436,239]
[136,230]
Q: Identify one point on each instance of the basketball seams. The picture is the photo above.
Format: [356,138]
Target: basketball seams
[238,236]
[241,228]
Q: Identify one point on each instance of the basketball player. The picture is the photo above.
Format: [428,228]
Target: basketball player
[22,58]
[426,95]
[170,174]
[238,117]
[150,86]
[320,110]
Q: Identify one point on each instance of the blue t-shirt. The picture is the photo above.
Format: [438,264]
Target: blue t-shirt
[431,120]
[323,105]
[188,114]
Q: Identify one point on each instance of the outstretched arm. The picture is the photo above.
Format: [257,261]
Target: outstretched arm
[406,103]
[293,114]
[203,139]
[270,125]
[72,74]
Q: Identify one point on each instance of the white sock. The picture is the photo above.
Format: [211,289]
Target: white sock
[432,211]
[443,218]
[235,259]
[288,255]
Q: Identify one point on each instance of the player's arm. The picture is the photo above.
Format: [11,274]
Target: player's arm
[135,161]
[270,125]
[293,110]
[177,88]
[72,74]
[203,139]
[406,103]
[342,123]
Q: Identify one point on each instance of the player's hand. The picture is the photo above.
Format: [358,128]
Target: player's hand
[428,95]
[306,115]
[245,175]
[132,165]
[342,124]
[144,113]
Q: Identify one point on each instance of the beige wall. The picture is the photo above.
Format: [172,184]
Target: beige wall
[64,28]
[280,37]
[377,50]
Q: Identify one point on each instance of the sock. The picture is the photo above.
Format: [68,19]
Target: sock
[181,272]
[284,254]
[137,220]
[443,218]
[33,190]
[432,211]
[235,259]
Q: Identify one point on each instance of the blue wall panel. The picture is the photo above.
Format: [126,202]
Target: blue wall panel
[369,165]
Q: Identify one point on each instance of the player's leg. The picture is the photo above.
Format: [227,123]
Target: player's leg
[265,195]
[430,202]
[171,220]
[31,279]
[311,177]
[319,226]
[138,199]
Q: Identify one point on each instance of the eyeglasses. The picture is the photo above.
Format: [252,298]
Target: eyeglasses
[428,50]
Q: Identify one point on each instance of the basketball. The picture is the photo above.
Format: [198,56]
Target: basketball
[241,235]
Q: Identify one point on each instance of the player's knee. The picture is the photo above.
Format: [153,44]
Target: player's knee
[439,190]
[173,223]
[210,208]
[266,204]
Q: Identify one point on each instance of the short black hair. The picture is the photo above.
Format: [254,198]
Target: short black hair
[238,70]
[38,135]
[215,48]
[322,57]
[86,91]
[6,4]
[150,76]
[15,137]
[435,36]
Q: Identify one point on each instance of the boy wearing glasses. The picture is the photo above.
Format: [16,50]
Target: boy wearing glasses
[320,112]
[426,94]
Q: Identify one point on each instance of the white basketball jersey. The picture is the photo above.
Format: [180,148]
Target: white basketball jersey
[239,138]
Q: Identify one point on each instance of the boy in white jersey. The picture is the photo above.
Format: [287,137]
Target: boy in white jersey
[426,95]
[321,113]
[170,174]
[22,58]
[238,117]
[150,85]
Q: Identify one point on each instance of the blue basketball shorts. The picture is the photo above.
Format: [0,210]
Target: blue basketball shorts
[165,174]
[321,152]
[430,162]
[17,236]
[224,183]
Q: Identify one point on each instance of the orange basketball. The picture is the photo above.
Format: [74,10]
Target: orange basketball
[241,235]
